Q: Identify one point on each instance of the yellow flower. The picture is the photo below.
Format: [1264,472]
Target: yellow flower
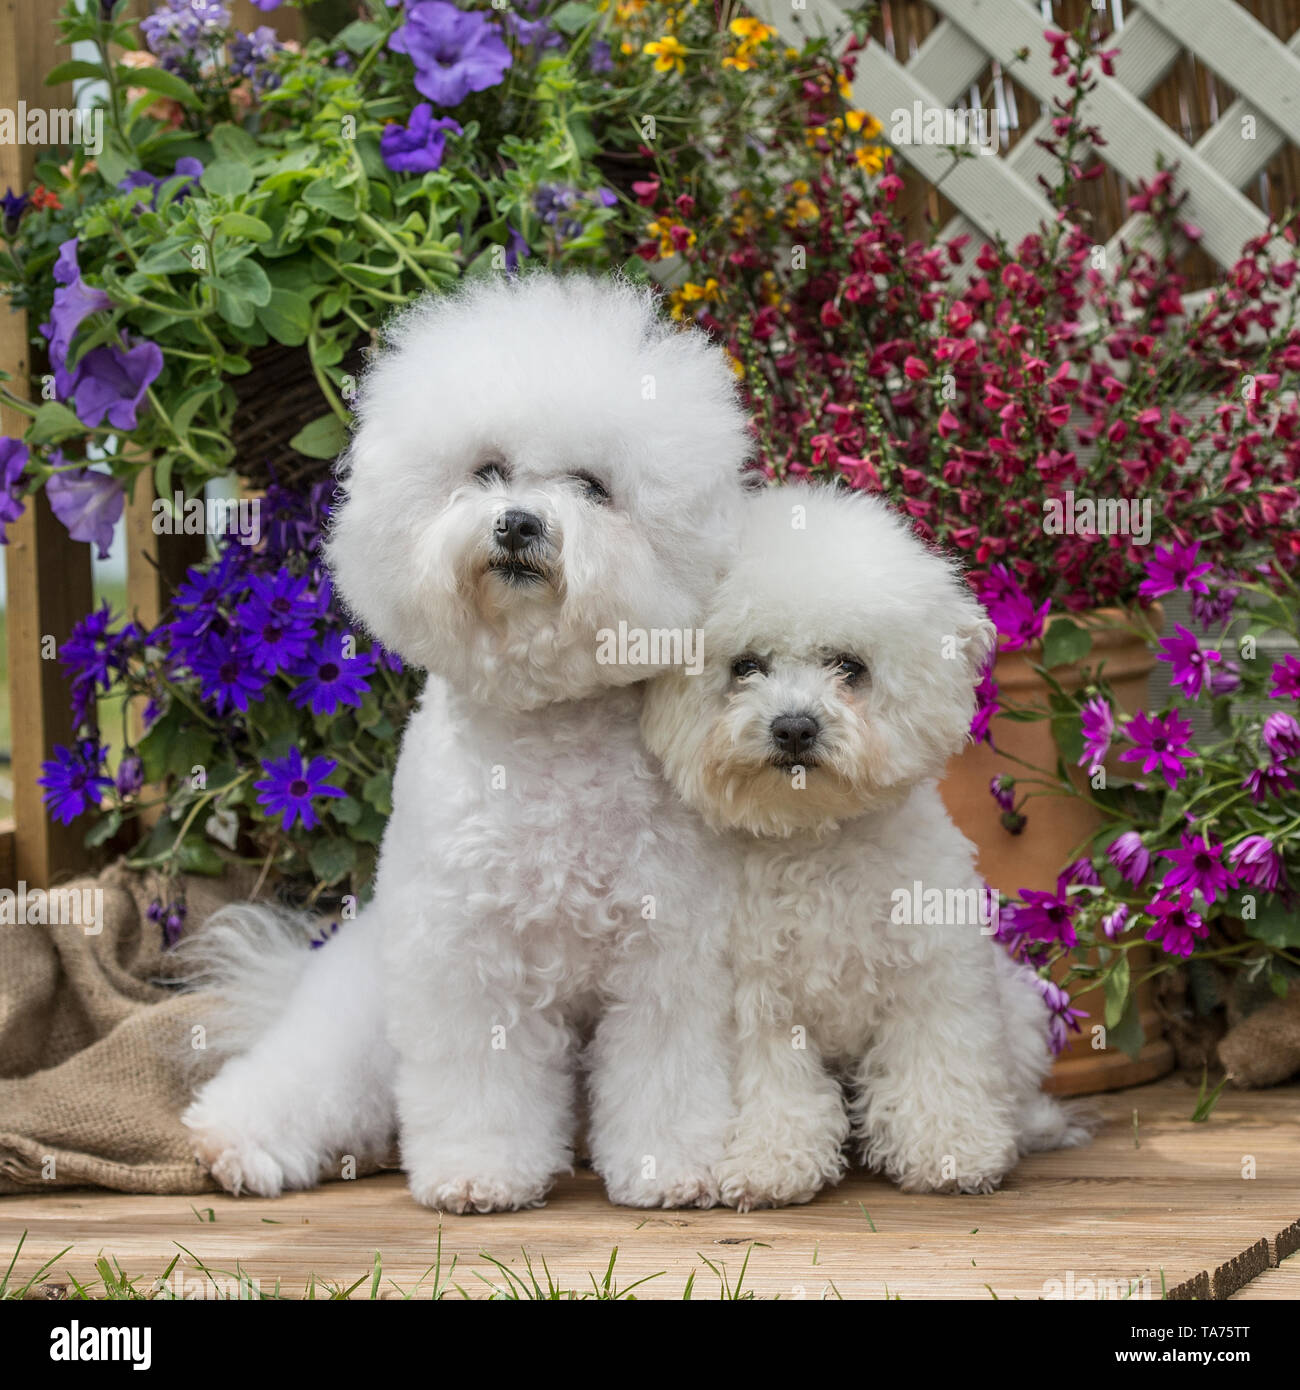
[799,187]
[668,53]
[737,365]
[813,133]
[751,30]
[804,210]
[863,123]
[741,60]
[869,159]
[845,86]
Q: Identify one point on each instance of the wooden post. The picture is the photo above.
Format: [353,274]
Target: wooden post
[48,574]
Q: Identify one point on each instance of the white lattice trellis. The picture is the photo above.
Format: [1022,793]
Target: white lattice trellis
[1000,196]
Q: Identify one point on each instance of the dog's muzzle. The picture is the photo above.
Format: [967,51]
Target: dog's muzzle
[794,740]
[519,538]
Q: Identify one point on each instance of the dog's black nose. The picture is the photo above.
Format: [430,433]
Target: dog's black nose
[516,530]
[795,734]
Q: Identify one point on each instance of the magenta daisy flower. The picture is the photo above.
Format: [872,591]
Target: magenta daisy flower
[1281,735]
[1130,856]
[1064,1018]
[1042,917]
[1160,744]
[1257,862]
[1264,782]
[1098,725]
[1177,927]
[289,788]
[1011,609]
[1172,569]
[336,674]
[1198,868]
[1190,661]
[986,705]
[1287,675]
[1114,923]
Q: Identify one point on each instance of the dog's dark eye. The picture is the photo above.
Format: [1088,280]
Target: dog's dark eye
[595,490]
[849,667]
[747,666]
[494,471]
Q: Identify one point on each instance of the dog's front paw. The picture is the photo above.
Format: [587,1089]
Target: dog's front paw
[484,1193]
[687,1186]
[757,1178]
[960,1168]
[234,1160]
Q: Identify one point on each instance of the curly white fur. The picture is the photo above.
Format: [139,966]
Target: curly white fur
[537,878]
[836,614]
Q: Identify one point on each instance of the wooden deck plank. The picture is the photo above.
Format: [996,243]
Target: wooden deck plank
[1176,1207]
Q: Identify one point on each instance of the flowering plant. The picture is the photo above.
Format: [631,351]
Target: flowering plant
[1197,847]
[1012,405]
[251,197]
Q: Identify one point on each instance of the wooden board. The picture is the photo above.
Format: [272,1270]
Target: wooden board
[1176,1208]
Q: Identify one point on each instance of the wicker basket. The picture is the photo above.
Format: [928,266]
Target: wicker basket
[276,398]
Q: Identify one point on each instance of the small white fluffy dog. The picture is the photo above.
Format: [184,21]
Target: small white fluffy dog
[536,463]
[840,662]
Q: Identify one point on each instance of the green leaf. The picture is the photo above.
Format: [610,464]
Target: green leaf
[378,792]
[183,415]
[166,258]
[1065,643]
[326,195]
[1117,988]
[69,72]
[241,224]
[159,80]
[360,35]
[287,317]
[1276,924]
[226,178]
[232,142]
[198,856]
[572,17]
[332,859]
[324,438]
[54,422]
[1127,1035]
[104,828]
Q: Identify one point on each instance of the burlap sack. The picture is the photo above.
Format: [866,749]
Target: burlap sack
[96,1051]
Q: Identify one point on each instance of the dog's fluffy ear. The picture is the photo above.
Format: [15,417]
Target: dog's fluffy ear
[674,725]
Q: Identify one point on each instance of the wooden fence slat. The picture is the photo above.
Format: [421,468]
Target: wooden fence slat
[1237,46]
[48,574]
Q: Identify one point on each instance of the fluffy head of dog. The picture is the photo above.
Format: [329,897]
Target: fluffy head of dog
[537,461]
[840,663]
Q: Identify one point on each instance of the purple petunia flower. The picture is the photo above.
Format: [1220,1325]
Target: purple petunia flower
[601,57]
[188,168]
[12,207]
[89,504]
[183,33]
[74,780]
[1161,744]
[111,382]
[1130,856]
[74,300]
[1011,609]
[266,6]
[1098,725]
[1263,782]
[1064,1017]
[1281,735]
[13,460]
[1114,923]
[417,147]
[1190,661]
[289,788]
[1198,868]
[516,249]
[1042,917]
[1257,862]
[1287,675]
[455,51]
[1173,569]
[1177,927]
[534,34]
[334,675]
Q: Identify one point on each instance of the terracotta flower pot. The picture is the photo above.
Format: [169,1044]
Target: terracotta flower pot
[1056,828]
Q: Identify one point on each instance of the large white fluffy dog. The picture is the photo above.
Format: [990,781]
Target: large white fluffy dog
[537,464]
[841,660]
